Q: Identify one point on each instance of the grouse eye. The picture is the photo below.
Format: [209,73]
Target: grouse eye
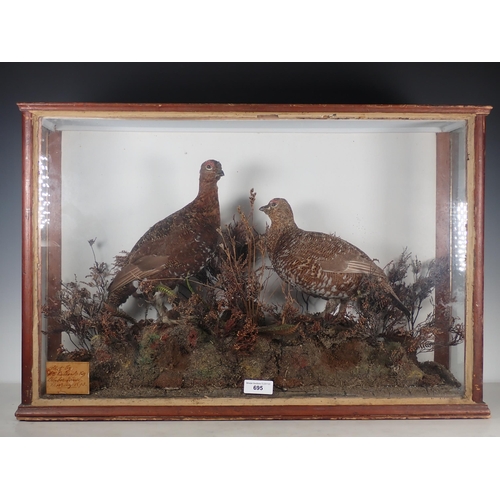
[208,167]
[273,204]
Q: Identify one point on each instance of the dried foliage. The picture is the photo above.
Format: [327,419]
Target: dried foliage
[415,283]
[79,310]
[240,277]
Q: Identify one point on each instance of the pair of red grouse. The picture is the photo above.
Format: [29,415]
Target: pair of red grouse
[181,245]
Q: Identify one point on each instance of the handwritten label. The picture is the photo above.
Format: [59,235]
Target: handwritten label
[258,387]
[67,377]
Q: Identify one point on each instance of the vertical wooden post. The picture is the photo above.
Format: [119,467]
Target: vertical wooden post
[478,289]
[27,260]
[443,250]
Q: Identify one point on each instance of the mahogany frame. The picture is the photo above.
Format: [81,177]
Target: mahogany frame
[470,405]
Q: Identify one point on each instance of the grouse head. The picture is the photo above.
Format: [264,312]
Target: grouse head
[210,172]
[279,211]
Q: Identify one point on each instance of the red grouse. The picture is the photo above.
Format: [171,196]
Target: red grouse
[319,264]
[176,247]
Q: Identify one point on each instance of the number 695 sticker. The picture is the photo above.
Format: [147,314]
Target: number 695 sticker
[258,387]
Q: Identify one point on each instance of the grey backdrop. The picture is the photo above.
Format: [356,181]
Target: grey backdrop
[373,83]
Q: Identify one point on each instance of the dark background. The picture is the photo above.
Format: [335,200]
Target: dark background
[328,83]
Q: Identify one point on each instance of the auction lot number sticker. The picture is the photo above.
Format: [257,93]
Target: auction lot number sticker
[258,387]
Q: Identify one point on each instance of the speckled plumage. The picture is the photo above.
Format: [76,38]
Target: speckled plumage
[319,264]
[179,245]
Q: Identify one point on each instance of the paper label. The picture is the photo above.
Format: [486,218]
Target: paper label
[258,387]
[67,377]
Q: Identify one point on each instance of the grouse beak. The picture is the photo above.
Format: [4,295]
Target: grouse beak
[264,208]
[220,173]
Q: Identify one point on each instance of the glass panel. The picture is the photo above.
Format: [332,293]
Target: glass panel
[459,241]
[103,183]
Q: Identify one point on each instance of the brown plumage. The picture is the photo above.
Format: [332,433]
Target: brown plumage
[319,264]
[179,245]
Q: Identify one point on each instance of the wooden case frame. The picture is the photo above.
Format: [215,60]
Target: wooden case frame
[470,405]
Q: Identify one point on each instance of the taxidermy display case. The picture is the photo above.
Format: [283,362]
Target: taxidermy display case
[197,261]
